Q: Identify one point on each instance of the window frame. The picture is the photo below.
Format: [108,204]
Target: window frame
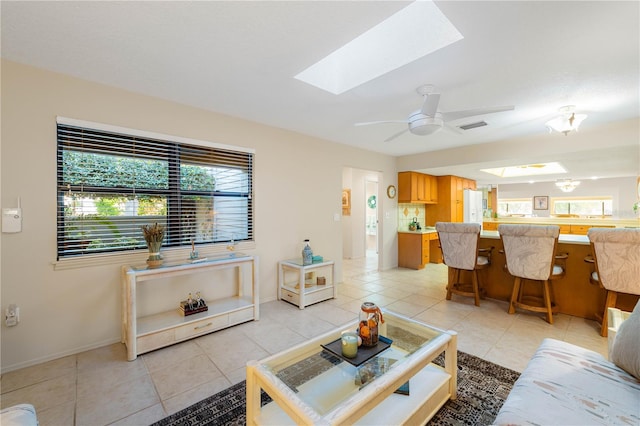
[173,191]
[602,199]
[522,200]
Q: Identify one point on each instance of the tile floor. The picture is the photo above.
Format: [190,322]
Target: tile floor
[99,387]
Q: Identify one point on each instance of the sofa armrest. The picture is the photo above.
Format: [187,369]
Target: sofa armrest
[615,317]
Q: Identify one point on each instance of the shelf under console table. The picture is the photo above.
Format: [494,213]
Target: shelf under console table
[149,332]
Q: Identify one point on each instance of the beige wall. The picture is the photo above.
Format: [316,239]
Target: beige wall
[298,182]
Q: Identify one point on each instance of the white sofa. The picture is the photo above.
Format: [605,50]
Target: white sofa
[564,384]
[19,415]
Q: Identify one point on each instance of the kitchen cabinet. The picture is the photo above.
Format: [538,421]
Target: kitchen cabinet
[414,187]
[450,200]
[414,249]
[490,226]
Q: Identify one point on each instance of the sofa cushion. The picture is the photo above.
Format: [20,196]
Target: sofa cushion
[564,384]
[626,346]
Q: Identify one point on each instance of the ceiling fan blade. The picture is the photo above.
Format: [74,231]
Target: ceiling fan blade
[455,115]
[390,138]
[380,122]
[430,105]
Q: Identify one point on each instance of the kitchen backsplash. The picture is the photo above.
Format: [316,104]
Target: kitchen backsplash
[406,213]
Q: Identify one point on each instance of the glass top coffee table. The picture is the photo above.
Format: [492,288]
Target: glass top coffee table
[311,385]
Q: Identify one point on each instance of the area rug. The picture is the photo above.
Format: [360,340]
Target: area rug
[482,389]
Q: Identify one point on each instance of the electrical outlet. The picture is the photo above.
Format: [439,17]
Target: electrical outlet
[12,315]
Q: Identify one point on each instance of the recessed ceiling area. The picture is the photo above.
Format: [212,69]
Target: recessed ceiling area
[527,170]
[240,59]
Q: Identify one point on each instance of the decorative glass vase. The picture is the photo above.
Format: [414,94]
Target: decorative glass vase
[307,254]
[155,258]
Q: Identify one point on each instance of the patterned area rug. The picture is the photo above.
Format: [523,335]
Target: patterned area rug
[482,389]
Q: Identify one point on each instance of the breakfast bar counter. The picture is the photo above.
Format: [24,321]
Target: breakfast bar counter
[574,294]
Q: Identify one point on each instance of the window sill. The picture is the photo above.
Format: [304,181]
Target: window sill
[139,257]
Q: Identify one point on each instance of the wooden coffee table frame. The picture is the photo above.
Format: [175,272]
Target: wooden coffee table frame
[431,387]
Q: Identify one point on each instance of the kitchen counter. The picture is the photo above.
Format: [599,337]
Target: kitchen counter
[574,293]
[420,232]
[563,238]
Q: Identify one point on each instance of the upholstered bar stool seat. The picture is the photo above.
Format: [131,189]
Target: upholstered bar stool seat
[616,253]
[530,253]
[459,244]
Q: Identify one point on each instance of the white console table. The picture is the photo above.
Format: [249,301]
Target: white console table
[301,291]
[144,334]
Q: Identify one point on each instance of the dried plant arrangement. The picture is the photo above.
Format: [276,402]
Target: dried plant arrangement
[153,235]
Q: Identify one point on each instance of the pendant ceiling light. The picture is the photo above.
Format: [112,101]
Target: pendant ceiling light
[566,122]
[567,185]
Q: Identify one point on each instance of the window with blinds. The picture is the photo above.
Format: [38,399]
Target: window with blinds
[110,184]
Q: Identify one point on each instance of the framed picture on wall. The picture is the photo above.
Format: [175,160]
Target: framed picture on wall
[346,202]
[541,202]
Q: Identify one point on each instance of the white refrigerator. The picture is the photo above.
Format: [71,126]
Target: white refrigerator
[472,205]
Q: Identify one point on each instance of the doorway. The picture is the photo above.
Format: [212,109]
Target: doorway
[371,221]
[360,223]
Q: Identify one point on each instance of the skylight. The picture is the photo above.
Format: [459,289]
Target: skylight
[409,34]
[527,170]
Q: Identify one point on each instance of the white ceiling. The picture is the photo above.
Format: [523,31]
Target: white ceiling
[240,59]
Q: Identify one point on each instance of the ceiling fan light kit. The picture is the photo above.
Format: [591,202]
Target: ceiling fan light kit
[567,122]
[422,125]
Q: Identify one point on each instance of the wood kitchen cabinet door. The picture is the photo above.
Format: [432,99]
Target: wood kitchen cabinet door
[415,187]
[409,250]
[450,205]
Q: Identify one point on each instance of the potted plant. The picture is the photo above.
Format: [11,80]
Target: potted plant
[153,235]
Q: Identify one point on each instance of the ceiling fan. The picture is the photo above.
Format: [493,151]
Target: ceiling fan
[428,120]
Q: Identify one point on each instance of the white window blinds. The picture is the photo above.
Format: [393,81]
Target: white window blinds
[110,184]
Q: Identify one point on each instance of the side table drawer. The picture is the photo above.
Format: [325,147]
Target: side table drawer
[200,327]
[290,296]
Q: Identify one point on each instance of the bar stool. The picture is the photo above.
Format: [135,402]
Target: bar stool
[616,253]
[459,244]
[530,254]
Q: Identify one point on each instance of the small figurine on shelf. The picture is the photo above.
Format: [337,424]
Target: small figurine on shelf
[190,301]
[232,245]
[194,253]
[199,301]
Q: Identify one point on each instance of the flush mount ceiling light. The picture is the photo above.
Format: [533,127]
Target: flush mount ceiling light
[567,185]
[567,121]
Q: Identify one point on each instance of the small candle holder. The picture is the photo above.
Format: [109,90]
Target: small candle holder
[349,344]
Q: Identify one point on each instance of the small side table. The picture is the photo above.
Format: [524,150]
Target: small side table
[304,291]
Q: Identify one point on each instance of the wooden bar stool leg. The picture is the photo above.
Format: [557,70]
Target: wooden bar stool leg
[476,289]
[454,280]
[480,288]
[547,301]
[514,295]
[612,297]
